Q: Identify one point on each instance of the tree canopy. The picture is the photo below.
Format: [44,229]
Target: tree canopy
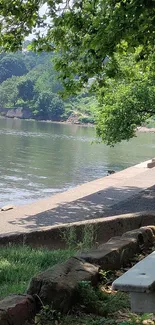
[103,45]
[11,65]
[37,89]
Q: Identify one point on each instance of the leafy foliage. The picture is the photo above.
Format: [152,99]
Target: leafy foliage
[26,90]
[50,105]
[128,100]
[37,89]
[9,92]
[104,46]
[11,65]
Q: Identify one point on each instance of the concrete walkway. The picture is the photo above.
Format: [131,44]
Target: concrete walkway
[131,190]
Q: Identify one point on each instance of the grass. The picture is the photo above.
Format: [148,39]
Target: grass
[131,319]
[95,306]
[81,319]
[86,320]
[19,264]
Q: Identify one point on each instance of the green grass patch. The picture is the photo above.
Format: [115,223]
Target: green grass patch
[133,319]
[81,319]
[18,264]
[87,320]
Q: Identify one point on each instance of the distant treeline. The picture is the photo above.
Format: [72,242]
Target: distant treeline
[28,80]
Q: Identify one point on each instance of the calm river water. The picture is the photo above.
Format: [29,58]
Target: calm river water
[38,159]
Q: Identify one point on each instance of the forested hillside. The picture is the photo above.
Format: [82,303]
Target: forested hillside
[109,44]
[29,81]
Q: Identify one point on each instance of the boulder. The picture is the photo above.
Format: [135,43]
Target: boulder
[113,254]
[17,309]
[57,285]
[144,236]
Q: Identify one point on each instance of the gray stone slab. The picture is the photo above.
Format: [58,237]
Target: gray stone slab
[140,278]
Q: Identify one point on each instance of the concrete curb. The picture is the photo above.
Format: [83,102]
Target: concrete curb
[104,229]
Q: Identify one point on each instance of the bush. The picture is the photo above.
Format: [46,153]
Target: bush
[86,119]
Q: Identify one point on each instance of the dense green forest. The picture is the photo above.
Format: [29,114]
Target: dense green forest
[104,46]
[28,80]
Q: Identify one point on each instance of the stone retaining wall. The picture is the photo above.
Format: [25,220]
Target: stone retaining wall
[104,229]
[58,285]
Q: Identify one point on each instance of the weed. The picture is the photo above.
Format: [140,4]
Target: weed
[86,241]
[104,275]
[96,301]
[48,315]
[88,237]
[70,237]
[145,319]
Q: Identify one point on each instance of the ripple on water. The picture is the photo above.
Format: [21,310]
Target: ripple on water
[38,160]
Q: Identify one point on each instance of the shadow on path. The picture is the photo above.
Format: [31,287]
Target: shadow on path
[144,201]
[109,202]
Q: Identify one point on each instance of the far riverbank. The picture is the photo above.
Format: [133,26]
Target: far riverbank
[142,129]
[145,129]
[24,114]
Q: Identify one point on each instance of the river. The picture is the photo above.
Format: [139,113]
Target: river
[39,159]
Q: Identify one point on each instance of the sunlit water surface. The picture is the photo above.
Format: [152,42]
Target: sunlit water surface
[39,159]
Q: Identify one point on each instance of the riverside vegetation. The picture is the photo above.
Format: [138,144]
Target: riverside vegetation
[28,80]
[105,47]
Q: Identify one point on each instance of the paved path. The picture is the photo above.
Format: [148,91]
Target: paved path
[131,190]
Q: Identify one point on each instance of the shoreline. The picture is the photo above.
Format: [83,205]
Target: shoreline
[145,129]
[142,129]
[49,121]
[102,198]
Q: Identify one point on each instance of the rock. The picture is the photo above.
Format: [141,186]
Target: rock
[57,285]
[110,172]
[17,309]
[73,119]
[7,207]
[144,236]
[152,227]
[19,113]
[113,254]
